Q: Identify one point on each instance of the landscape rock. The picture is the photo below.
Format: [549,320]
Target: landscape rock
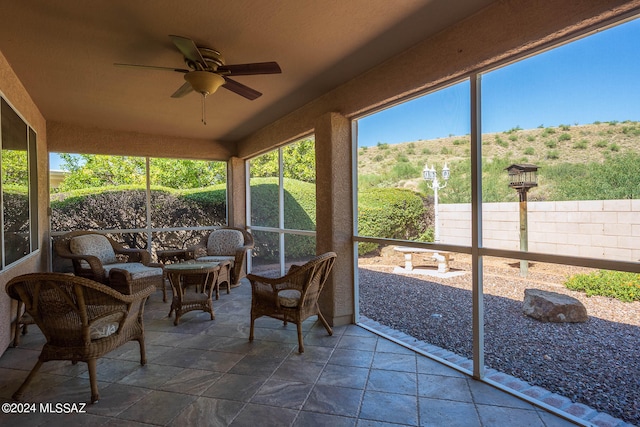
[548,306]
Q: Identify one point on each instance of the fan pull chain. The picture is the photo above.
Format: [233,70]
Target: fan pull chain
[204,113]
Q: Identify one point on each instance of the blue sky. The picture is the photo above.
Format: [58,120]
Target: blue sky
[596,78]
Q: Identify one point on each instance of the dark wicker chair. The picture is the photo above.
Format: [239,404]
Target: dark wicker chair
[293,297]
[96,262]
[81,319]
[225,244]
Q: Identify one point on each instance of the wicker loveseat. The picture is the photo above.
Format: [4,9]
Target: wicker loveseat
[81,319]
[94,255]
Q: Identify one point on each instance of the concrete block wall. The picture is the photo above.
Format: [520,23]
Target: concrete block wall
[607,229]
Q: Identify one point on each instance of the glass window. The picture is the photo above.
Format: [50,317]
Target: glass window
[19,186]
[182,199]
[414,185]
[572,113]
[414,168]
[186,193]
[282,204]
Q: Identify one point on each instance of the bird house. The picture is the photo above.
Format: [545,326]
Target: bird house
[523,176]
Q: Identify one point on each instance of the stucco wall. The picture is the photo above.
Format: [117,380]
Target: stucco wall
[14,92]
[595,228]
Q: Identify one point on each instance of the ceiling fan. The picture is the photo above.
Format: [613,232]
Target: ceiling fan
[208,71]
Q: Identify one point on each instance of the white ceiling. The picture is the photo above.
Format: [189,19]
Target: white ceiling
[64,51]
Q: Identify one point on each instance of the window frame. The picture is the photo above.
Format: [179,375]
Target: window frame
[32,191]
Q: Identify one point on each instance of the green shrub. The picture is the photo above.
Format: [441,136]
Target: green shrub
[564,137]
[122,207]
[581,145]
[548,131]
[553,155]
[501,142]
[631,130]
[614,147]
[615,284]
[300,209]
[402,158]
[404,170]
[529,151]
[391,213]
[615,178]
[565,127]
[383,145]
[513,137]
[602,143]
[550,143]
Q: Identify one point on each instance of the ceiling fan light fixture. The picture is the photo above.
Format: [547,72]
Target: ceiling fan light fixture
[204,82]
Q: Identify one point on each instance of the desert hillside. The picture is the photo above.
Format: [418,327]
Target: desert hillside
[548,145]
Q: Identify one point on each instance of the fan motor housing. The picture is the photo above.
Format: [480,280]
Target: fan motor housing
[212,58]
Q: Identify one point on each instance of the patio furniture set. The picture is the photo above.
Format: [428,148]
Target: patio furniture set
[100,306]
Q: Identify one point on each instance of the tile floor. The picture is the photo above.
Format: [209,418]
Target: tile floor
[205,372]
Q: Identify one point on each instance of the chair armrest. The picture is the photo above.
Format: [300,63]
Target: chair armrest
[93,261]
[138,295]
[95,266]
[292,280]
[197,250]
[134,255]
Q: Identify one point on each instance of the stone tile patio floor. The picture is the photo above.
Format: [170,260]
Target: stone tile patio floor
[205,372]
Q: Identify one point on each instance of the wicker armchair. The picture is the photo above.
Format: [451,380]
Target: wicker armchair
[93,255]
[81,319]
[225,244]
[293,297]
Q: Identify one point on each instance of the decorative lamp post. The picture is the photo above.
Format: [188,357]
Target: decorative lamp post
[429,174]
[522,177]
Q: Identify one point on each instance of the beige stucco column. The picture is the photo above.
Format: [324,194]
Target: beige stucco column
[236,197]
[334,214]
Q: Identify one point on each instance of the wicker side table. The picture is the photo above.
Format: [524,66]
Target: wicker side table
[204,277]
[171,256]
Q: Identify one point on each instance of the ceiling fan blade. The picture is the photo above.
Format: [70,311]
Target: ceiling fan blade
[241,89]
[152,67]
[250,69]
[182,90]
[188,48]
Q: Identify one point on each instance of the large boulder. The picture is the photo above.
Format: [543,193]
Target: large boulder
[549,306]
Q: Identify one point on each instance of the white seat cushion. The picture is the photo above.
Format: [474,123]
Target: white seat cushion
[289,298]
[93,244]
[105,326]
[215,258]
[136,269]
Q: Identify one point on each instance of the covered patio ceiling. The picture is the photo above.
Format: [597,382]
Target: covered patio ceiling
[63,53]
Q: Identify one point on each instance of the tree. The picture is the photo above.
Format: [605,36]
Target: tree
[182,174]
[299,162]
[91,170]
[15,168]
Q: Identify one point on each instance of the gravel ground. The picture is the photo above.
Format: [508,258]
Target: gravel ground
[596,363]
